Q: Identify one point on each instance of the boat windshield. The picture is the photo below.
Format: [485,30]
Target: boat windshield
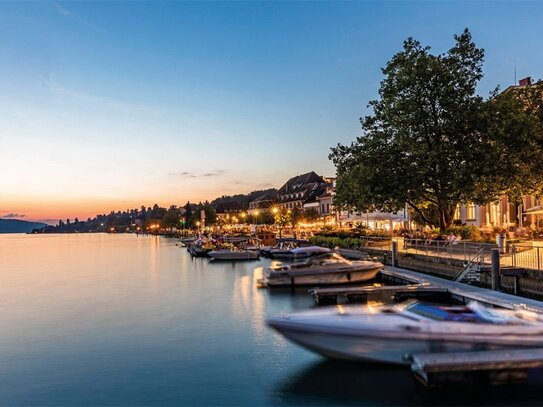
[326,259]
[440,313]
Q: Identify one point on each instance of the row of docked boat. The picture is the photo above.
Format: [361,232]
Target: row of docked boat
[233,248]
[322,266]
[224,248]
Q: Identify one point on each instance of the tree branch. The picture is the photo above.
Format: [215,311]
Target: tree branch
[419,211]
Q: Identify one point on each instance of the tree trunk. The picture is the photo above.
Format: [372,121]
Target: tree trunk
[445,216]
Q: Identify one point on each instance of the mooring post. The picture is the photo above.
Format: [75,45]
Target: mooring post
[495,264]
[394,253]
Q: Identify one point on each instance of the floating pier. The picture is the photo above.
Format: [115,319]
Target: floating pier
[478,367]
[344,295]
[461,292]
[411,284]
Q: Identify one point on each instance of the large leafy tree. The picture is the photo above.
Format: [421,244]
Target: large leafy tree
[431,141]
[171,218]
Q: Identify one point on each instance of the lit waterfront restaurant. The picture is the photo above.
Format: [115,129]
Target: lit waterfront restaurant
[501,214]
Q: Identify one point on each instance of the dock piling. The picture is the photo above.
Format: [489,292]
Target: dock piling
[394,253]
[495,267]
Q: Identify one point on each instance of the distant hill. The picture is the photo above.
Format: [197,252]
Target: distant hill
[19,226]
[243,199]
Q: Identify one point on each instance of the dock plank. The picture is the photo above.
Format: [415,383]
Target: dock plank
[478,360]
[495,366]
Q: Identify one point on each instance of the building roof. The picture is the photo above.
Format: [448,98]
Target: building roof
[316,190]
[264,198]
[524,84]
[298,182]
[228,207]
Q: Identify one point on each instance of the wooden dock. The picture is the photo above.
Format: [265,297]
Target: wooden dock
[492,366]
[460,291]
[412,284]
[344,295]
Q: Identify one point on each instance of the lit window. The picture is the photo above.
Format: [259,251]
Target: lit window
[457,212]
[470,212]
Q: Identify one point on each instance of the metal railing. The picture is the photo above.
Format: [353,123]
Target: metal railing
[455,250]
[523,256]
[477,260]
[434,249]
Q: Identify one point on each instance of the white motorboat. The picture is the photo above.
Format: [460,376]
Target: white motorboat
[391,334]
[233,254]
[324,269]
[279,249]
[299,252]
[188,240]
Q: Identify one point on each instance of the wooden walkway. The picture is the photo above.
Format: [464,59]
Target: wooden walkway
[413,284]
[462,292]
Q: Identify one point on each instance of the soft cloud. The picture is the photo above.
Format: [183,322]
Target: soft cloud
[196,174]
[13,216]
[213,173]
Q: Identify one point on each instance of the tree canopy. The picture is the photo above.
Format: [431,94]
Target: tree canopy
[432,142]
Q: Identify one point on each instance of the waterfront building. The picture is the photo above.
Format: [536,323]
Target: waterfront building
[502,213]
[387,221]
[299,189]
[326,200]
[227,210]
[261,204]
[311,201]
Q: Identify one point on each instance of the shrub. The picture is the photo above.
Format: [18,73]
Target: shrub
[466,232]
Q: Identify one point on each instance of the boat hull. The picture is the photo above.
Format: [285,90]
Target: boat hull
[326,278]
[394,339]
[197,251]
[233,256]
[370,349]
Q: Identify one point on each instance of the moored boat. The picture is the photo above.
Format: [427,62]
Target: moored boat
[188,240]
[233,254]
[325,269]
[279,249]
[392,334]
[299,252]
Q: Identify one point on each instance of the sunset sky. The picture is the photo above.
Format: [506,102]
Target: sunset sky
[111,105]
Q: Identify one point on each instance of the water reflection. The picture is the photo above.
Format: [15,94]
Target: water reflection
[126,320]
[344,383]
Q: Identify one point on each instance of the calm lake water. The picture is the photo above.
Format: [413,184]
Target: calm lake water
[125,320]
